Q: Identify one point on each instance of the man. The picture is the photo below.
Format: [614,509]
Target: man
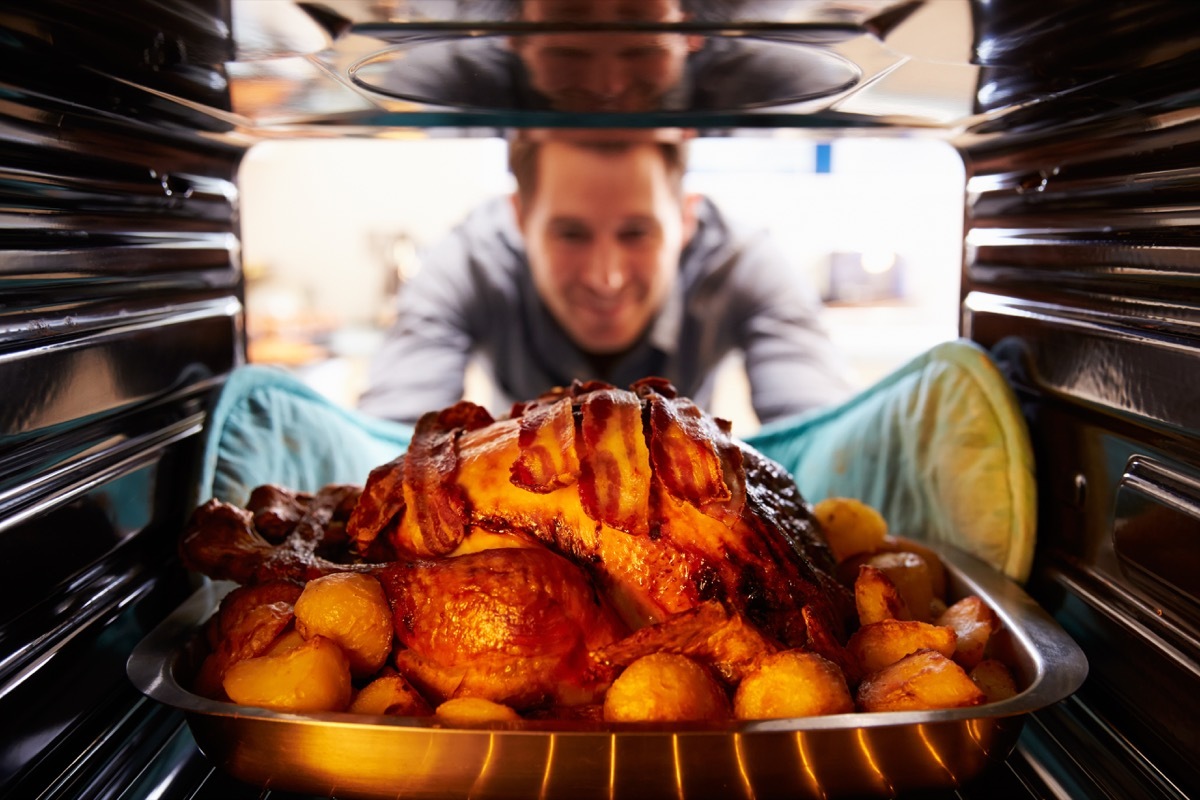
[600,267]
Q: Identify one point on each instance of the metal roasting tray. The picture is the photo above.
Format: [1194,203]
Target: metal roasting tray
[844,755]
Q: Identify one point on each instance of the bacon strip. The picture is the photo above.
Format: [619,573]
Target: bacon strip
[548,460]
[380,508]
[442,507]
[614,477]
[683,454]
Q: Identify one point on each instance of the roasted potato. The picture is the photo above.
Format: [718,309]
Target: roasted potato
[287,641]
[995,679]
[351,609]
[922,680]
[315,676]
[247,627]
[392,695]
[665,687]
[850,526]
[933,562]
[973,623]
[474,711]
[793,683]
[876,596]
[243,601]
[909,573]
[879,644]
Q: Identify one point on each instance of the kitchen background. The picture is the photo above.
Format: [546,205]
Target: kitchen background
[332,227]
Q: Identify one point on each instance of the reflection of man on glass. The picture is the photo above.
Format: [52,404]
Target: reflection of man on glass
[604,71]
[608,71]
[601,267]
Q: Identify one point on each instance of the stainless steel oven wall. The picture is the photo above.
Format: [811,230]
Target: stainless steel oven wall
[119,313]
[1082,273]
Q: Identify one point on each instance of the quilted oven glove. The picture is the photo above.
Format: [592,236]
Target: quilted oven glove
[938,447]
[269,427]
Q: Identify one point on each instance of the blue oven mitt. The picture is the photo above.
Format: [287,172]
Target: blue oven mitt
[269,427]
[939,447]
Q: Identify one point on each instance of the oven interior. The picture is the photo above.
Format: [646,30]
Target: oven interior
[123,291]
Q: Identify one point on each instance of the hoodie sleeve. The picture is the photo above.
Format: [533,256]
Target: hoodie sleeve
[422,361]
[791,363]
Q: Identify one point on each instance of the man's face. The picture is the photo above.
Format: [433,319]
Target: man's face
[603,71]
[604,232]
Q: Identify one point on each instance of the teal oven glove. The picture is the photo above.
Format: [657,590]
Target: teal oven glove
[268,427]
[938,447]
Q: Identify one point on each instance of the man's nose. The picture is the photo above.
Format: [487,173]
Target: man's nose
[608,76]
[605,270]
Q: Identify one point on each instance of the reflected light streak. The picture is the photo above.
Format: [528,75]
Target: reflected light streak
[741,765]
[678,766]
[865,747]
[933,751]
[976,730]
[549,763]
[612,767]
[159,790]
[806,763]
[481,781]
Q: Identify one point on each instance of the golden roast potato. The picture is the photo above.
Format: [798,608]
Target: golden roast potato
[248,622]
[793,683]
[665,687]
[314,676]
[995,679]
[851,526]
[879,644]
[287,641]
[924,680]
[349,608]
[973,623]
[475,711]
[876,596]
[390,694]
[937,570]
[909,573]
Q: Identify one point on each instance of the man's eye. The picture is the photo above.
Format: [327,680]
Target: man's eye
[565,55]
[634,235]
[573,235]
[635,53]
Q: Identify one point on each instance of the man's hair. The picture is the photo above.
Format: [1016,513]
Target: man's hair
[523,152]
